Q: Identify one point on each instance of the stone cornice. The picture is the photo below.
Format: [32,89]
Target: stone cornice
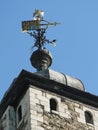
[25,79]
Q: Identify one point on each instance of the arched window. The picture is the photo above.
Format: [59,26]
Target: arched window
[88,117]
[53,104]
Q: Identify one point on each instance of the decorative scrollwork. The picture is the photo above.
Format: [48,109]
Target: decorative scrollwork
[37,28]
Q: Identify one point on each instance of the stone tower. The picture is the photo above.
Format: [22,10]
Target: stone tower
[46,99]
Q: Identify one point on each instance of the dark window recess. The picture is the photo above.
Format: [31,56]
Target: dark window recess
[19,114]
[88,117]
[53,104]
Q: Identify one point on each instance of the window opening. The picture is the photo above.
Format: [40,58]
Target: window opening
[19,114]
[88,117]
[53,104]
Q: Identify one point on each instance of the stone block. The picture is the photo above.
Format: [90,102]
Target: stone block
[77,105]
[62,108]
[81,119]
[42,98]
[37,118]
[47,108]
[96,123]
[44,103]
[39,128]
[32,104]
[35,90]
[34,100]
[62,114]
[33,112]
[32,95]
[96,115]
[33,122]
[96,128]
[49,96]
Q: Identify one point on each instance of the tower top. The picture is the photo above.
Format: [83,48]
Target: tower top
[41,58]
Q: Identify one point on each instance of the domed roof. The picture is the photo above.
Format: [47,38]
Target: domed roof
[62,78]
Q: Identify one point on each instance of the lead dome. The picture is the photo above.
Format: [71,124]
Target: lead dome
[62,78]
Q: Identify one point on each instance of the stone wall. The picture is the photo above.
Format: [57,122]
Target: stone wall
[36,113]
[70,115]
[9,120]
[24,123]
[52,121]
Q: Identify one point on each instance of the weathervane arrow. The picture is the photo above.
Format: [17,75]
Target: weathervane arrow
[37,28]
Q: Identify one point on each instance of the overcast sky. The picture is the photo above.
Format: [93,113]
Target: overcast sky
[76,52]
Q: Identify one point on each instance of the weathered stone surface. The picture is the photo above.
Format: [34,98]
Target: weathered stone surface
[55,122]
[36,113]
[69,114]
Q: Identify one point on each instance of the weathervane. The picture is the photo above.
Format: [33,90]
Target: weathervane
[37,28]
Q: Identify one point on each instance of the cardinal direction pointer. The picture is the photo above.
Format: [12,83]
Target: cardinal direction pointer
[37,29]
